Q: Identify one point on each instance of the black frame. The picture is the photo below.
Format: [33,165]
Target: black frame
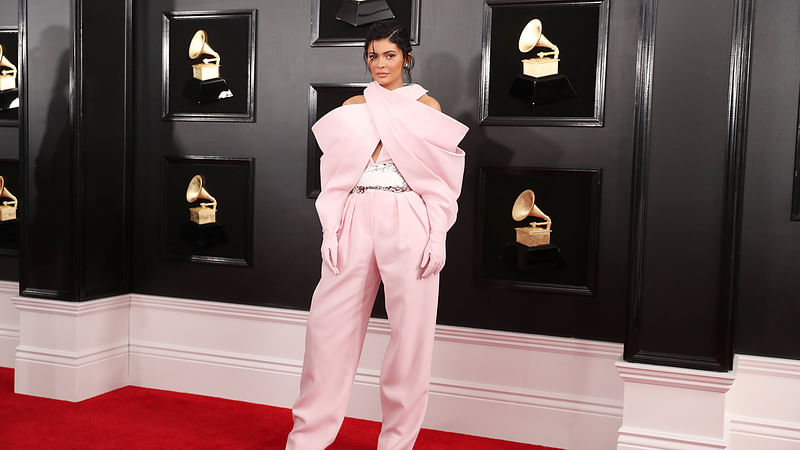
[245,258]
[246,113]
[339,92]
[593,177]
[5,120]
[738,106]
[11,166]
[796,185]
[515,118]
[356,38]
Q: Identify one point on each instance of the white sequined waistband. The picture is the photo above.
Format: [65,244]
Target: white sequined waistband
[383,177]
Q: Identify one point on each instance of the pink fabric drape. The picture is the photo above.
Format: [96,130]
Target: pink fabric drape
[422,142]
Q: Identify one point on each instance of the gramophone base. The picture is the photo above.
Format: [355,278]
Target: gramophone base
[8,82]
[202,216]
[533,236]
[358,13]
[540,67]
[7,99]
[205,72]
[207,91]
[201,236]
[7,213]
[537,91]
[532,259]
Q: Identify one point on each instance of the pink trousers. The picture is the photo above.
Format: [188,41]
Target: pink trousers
[382,238]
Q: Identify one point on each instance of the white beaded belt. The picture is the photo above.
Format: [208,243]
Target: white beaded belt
[381,177]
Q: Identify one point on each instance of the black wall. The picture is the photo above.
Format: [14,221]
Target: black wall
[74,149]
[769,303]
[287,231]
[9,142]
[679,278]
[103,158]
[684,229]
[47,247]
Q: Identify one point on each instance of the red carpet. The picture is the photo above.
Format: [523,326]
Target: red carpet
[138,418]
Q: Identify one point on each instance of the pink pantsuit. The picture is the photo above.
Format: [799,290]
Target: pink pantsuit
[381,236]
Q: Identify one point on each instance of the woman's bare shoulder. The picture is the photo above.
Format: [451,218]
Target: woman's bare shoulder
[355,100]
[430,101]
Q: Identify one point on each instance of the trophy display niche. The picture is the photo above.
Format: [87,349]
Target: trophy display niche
[540,81]
[207,211]
[8,208]
[532,249]
[362,12]
[206,85]
[9,94]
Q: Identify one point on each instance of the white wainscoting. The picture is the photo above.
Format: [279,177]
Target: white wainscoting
[671,408]
[9,323]
[551,391]
[764,404]
[71,350]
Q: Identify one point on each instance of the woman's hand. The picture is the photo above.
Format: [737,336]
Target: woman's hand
[330,251]
[434,256]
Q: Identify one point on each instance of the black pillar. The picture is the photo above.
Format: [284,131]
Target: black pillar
[74,148]
[9,152]
[690,124]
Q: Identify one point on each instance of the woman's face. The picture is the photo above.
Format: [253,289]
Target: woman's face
[385,61]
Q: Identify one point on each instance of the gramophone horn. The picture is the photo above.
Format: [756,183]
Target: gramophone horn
[199,46]
[4,62]
[532,36]
[5,193]
[525,206]
[196,191]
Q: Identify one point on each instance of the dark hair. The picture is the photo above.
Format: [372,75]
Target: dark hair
[397,34]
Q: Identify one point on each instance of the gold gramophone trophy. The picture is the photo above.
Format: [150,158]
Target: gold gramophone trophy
[9,94]
[206,85]
[532,250]
[540,81]
[537,233]
[362,12]
[8,208]
[206,212]
[202,230]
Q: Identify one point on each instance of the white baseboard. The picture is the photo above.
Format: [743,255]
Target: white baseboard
[70,376]
[71,350]
[672,408]
[9,323]
[631,438]
[765,404]
[544,390]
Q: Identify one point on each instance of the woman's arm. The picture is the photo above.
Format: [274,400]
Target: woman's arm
[428,100]
[355,100]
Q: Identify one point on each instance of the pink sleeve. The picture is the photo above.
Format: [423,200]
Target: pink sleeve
[346,138]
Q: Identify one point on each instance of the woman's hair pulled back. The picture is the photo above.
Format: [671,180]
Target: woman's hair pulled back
[397,34]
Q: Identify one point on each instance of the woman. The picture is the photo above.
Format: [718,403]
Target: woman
[391,172]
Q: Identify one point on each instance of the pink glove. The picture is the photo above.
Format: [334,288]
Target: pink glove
[434,255]
[330,251]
